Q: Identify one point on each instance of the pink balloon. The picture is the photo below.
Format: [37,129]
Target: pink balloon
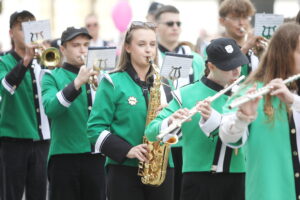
[122,15]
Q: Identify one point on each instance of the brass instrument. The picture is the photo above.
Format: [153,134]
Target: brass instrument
[93,80]
[193,111]
[261,43]
[49,57]
[260,92]
[154,172]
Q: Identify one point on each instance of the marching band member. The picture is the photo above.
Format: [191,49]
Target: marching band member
[235,17]
[273,169]
[169,29]
[24,131]
[203,152]
[117,122]
[73,171]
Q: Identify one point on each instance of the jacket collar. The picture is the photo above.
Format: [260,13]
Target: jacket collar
[71,68]
[213,85]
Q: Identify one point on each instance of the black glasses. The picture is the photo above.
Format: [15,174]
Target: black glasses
[172,23]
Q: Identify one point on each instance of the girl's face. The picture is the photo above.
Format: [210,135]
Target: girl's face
[142,47]
[297,58]
[224,77]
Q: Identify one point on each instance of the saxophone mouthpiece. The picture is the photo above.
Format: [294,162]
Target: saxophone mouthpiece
[150,60]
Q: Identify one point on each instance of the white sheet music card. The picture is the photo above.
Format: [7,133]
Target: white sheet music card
[266,24]
[176,66]
[103,58]
[36,31]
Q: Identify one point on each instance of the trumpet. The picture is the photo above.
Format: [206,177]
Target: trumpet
[49,57]
[193,111]
[260,92]
[260,41]
[93,80]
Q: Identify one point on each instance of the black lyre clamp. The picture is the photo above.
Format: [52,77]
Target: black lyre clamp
[175,73]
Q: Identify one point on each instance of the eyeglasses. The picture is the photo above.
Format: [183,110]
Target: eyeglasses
[237,19]
[172,23]
[90,25]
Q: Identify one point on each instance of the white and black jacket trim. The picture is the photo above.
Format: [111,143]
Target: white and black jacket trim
[294,136]
[222,156]
[113,146]
[67,95]
[13,79]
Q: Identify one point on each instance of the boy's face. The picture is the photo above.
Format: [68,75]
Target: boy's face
[17,35]
[74,49]
[235,26]
[169,27]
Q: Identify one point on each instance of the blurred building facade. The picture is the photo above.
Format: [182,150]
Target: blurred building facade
[195,14]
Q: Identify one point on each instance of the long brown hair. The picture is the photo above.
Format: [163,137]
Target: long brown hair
[124,60]
[278,60]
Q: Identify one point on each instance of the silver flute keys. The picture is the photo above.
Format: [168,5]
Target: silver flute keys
[259,92]
[193,111]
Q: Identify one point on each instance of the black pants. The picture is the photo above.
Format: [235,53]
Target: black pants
[213,186]
[123,183]
[177,159]
[76,177]
[24,166]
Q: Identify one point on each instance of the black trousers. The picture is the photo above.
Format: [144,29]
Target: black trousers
[76,177]
[24,166]
[213,186]
[123,183]
[177,159]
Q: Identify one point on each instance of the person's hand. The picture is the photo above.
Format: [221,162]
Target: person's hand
[257,43]
[83,76]
[249,109]
[179,115]
[160,108]
[140,152]
[204,108]
[279,89]
[29,53]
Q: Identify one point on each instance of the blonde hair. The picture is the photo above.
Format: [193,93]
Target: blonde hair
[124,59]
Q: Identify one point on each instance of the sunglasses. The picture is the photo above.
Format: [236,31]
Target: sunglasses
[172,23]
[90,25]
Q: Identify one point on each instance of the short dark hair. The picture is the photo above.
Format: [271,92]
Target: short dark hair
[240,8]
[165,9]
[19,17]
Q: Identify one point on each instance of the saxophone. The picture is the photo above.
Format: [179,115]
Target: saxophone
[154,172]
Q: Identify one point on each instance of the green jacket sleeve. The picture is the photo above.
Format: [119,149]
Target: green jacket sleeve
[51,103]
[102,112]
[153,128]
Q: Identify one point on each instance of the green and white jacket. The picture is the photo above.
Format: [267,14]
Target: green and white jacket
[203,151]
[118,118]
[68,109]
[272,149]
[22,111]
[196,71]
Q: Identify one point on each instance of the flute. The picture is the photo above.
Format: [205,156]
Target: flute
[259,92]
[193,111]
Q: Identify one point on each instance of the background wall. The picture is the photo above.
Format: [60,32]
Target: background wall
[64,13]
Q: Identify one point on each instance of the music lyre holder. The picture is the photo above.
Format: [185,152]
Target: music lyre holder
[176,66]
[175,73]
